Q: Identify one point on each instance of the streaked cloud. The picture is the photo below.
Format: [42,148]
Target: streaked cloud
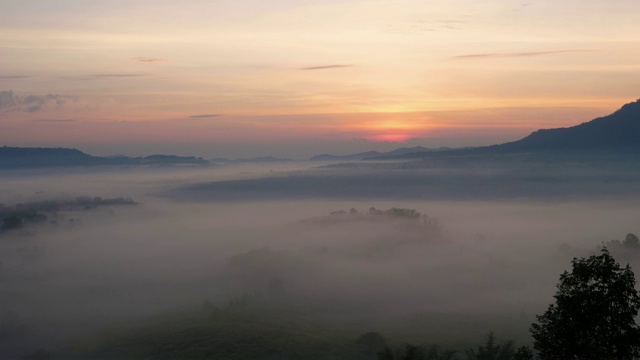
[31,103]
[444,24]
[423,26]
[514,54]
[148,59]
[104,76]
[14,77]
[54,121]
[204,116]
[115,75]
[326,67]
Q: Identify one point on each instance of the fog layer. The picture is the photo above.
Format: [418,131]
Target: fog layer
[472,260]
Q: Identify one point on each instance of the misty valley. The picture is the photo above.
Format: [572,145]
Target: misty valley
[386,259]
[319,179]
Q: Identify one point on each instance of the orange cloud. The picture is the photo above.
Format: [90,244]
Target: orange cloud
[148,59]
[515,54]
[325,67]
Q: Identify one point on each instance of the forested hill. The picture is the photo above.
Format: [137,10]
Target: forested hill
[24,157]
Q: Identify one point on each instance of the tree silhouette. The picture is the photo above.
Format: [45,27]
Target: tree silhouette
[631,241]
[371,343]
[492,350]
[523,353]
[413,352]
[593,317]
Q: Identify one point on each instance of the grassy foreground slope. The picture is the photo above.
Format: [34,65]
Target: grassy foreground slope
[271,326]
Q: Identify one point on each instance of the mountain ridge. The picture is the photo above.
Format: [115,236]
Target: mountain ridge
[617,130]
[35,157]
[373,154]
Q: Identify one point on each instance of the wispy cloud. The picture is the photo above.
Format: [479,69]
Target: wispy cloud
[325,67]
[31,103]
[423,26]
[126,75]
[444,24]
[148,59]
[514,54]
[104,76]
[204,116]
[14,77]
[522,6]
[54,120]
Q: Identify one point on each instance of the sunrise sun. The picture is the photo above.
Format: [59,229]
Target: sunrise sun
[393,131]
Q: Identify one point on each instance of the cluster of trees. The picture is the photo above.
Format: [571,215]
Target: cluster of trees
[398,212]
[20,215]
[11,220]
[372,343]
[79,203]
[630,241]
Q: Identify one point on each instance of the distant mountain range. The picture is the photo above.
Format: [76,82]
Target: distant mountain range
[255,160]
[618,132]
[22,157]
[376,154]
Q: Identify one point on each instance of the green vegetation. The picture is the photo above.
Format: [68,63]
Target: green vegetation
[250,326]
[593,318]
[276,325]
[630,242]
[594,314]
[21,215]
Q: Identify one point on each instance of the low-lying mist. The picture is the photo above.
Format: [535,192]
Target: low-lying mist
[459,268]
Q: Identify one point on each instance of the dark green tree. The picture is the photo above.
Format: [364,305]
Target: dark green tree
[39,354]
[631,241]
[11,222]
[523,353]
[492,350]
[593,317]
[386,354]
[371,343]
[413,352]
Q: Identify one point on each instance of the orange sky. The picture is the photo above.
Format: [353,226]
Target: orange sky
[246,76]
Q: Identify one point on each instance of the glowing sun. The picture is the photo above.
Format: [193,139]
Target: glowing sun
[391,131]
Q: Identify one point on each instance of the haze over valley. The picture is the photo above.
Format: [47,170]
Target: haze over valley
[335,179]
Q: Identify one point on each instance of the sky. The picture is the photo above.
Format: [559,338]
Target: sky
[295,78]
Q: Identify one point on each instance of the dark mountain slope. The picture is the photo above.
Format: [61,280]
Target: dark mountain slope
[616,131]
